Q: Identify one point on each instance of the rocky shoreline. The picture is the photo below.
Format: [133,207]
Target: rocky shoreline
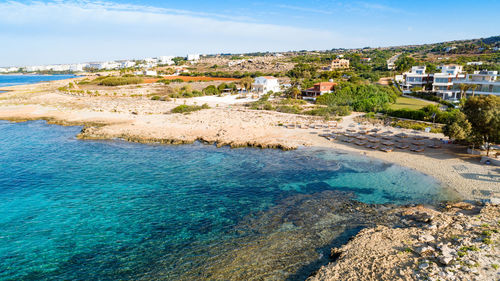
[459,242]
[92,133]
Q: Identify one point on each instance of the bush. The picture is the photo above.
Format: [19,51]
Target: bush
[117,81]
[211,91]
[164,81]
[329,111]
[184,108]
[294,109]
[424,114]
[360,97]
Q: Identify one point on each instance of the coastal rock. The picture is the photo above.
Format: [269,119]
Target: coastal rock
[426,251]
[426,238]
[460,205]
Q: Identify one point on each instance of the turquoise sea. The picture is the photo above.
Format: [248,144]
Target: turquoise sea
[112,210]
[13,80]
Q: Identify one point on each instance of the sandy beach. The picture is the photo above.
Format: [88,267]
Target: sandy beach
[229,122]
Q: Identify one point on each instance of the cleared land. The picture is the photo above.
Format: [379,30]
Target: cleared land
[404,102]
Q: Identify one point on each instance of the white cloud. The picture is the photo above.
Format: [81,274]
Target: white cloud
[305,9]
[101,30]
[379,7]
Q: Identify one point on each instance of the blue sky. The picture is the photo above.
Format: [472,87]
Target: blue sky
[43,32]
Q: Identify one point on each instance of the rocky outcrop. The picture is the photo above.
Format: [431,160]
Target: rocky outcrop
[459,243]
[90,132]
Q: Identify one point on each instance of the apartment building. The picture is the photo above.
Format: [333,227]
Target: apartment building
[417,78]
[481,82]
[339,63]
[443,81]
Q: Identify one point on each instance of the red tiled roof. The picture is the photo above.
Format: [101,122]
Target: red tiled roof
[331,84]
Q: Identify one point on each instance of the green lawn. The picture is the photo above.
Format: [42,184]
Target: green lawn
[404,102]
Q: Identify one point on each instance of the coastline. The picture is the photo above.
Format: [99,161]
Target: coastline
[146,121]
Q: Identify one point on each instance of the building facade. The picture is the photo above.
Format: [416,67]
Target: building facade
[339,63]
[417,78]
[443,82]
[265,84]
[481,82]
[318,89]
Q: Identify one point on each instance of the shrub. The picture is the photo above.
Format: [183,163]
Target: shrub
[294,109]
[360,97]
[330,110]
[117,81]
[164,81]
[184,108]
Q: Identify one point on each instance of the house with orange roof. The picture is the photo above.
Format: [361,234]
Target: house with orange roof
[318,89]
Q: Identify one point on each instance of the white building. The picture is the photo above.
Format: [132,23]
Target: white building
[443,82]
[146,72]
[265,84]
[193,57]
[416,77]
[475,63]
[127,64]
[486,83]
[168,60]
[3,70]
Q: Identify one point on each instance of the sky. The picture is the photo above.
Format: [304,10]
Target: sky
[55,32]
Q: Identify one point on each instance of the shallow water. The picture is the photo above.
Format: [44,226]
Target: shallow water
[72,209]
[13,80]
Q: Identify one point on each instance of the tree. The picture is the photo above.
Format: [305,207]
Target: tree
[246,82]
[473,87]
[211,90]
[463,89]
[295,92]
[458,128]
[404,63]
[483,112]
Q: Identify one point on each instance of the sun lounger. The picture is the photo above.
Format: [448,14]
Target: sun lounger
[417,149]
[360,143]
[434,146]
[386,149]
[375,146]
[388,143]
[402,146]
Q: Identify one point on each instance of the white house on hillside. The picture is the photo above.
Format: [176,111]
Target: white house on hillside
[265,84]
[193,57]
[168,60]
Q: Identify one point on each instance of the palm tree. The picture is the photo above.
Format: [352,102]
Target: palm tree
[463,89]
[246,82]
[473,87]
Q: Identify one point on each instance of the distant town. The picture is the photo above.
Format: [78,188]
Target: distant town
[450,70]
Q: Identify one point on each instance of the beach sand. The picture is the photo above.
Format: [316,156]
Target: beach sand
[230,123]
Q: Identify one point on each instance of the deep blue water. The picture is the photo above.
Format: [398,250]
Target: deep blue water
[111,210]
[13,80]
